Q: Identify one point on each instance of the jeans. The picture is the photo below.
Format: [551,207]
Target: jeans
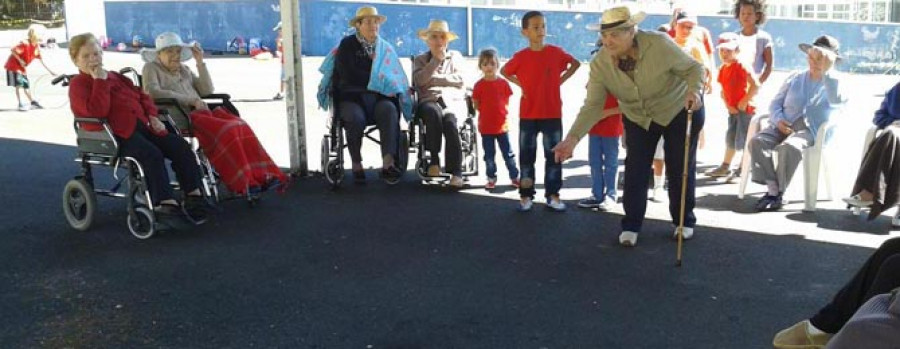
[552,134]
[501,140]
[603,156]
[641,145]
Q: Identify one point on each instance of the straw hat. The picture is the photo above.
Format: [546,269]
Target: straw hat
[439,26]
[618,17]
[366,11]
[165,40]
[824,42]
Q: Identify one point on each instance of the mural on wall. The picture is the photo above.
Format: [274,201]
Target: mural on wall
[867,47]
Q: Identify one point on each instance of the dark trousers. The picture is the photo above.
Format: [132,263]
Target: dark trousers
[152,150]
[370,109]
[490,144]
[552,134]
[440,123]
[641,144]
[880,274]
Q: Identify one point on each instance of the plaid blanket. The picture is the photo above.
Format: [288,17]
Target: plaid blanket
[234,151]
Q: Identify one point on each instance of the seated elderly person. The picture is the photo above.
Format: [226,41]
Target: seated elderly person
[877,184]
[98,93]
[805,101]
[365,91]
[441,92]
[228,141]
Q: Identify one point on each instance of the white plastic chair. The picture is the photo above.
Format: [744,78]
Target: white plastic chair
[812,163]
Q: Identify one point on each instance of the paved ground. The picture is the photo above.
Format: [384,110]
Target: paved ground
[410,266]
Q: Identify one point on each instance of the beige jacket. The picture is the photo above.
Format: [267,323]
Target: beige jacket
[435,79]
[183,85]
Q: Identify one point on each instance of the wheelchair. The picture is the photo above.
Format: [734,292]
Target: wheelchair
[468,136]
[179,119]
[334,143]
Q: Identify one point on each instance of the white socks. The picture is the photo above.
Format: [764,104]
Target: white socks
[773,187]
[658,181]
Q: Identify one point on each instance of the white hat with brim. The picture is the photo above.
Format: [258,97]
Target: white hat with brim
[825,43]
[728,45]
[366,11]
[163,41]
[438,26]
[618,17]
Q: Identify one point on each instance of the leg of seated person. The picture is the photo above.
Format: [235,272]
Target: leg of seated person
[876,180]
[763,167]
[454,149]
[432,114]
[790,153]
[152,161]
[387,119]
[880,274]
[184,163]
[354,119]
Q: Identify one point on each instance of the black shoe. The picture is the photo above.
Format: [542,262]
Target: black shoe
[36,105]
[391,175]
[777,202]
[359,177]
[195,209]
[171,217]
[763,203]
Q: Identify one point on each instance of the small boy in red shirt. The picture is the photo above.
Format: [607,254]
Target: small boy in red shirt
[539,70]
[603,157]
[491,96]
[738,88]
[22,55]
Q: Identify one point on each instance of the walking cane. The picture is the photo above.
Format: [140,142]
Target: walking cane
[684,180]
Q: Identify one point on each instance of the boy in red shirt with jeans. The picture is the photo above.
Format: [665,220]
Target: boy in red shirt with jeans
[539,70]
[738,88]
[491,96]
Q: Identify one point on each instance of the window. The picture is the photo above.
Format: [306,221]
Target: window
[862,12]
[879,14]
[840,11]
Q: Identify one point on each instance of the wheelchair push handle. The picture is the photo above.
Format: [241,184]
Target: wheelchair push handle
[61,78]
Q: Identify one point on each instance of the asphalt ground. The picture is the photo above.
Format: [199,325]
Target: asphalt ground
[411,265]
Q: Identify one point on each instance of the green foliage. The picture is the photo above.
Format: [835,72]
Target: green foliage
[19,14]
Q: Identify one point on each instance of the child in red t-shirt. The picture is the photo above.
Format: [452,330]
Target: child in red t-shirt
[539,70]
[491,96]
[738,88]
[603,156]
[21,56]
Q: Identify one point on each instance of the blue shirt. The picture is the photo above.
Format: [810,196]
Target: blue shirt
[812,101]
[890,109]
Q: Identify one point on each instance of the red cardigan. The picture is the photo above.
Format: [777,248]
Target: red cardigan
[116,99]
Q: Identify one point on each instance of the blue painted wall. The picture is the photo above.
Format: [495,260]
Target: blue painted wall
[867,47]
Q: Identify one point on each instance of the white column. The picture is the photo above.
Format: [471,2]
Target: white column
[85,16]
[290,28]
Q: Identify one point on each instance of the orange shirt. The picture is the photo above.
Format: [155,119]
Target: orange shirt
[492,98]
[735,81]
[539,75]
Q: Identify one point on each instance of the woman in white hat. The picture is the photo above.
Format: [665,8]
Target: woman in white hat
[230,144]
[805,101]
[441,91]
[656,83]
[356,104]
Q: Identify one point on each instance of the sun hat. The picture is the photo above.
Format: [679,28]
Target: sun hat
[439,26]
[366,11]
[163,41]
[618,17]
[825,42]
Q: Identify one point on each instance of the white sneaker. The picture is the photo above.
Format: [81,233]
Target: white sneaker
[608,203]
[24,107]
[525,206]
[656,195]
[687,234]
[628,238]
[556,204]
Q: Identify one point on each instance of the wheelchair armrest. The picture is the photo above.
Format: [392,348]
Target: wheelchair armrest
[222,96]
[165,101]
[91,120]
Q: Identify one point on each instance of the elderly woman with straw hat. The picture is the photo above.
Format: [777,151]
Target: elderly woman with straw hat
[364,80]
[656,84]
[441,91]
[227,141]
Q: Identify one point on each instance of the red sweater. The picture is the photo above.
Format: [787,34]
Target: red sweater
[116,99]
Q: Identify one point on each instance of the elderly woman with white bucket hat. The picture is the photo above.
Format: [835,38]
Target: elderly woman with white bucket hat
[656,84]
[441,91]
[165,75]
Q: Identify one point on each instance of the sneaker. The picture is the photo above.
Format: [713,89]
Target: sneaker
[456,181]
[856,201]
[391,175]
[491,184]
[195,209]
[434,171]
[171,217]
[36,105]
[721,171]
[24,107]
[770,203]
[556,204]
[608,203]
[525,204]
[590,202]
[736,173]
[628,238]
[278,96]
[656,194]
[799,336]
[515,183]
[687,234]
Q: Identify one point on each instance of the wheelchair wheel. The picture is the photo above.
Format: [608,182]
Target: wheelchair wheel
[403,151]
[334,173]
[422,167]
[142,223]
[79,204]
[325,153]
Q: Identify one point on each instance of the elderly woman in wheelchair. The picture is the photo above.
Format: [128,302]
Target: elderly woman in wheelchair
[133,119]
[226,141]
[441,101]
[363,82]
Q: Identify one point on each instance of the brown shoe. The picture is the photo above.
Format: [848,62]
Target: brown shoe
[434,171]
[798,337]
